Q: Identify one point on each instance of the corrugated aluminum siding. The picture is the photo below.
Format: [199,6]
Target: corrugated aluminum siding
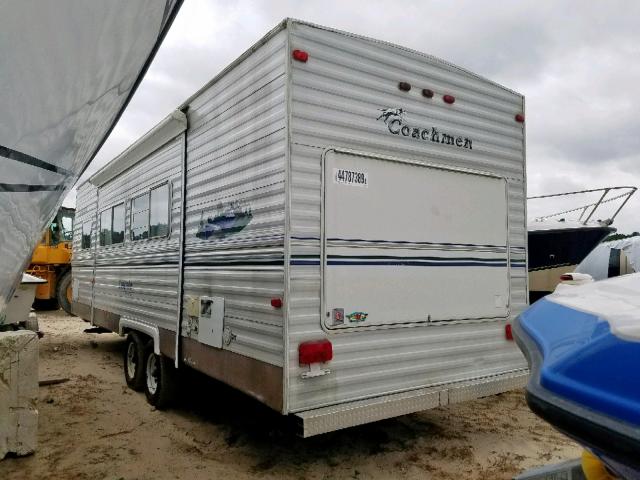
[139,279]
[82,259]
[238,150]
[336,98]
[236,146]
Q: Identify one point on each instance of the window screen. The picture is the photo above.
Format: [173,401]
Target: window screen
[140,217]
[117,227]
[86,235]
[105,228]
[159,211]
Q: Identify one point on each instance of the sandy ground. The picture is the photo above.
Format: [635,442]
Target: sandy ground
[95,427]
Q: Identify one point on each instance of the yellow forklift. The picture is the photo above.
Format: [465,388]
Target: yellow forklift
[51,261]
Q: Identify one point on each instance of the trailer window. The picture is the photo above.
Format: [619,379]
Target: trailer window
[112,225]
[140,217]
[105,228]
[159,211]
[86,235]
[117,224]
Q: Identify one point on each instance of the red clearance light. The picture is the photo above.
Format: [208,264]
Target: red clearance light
[404,86]
[449,99]
[566,276]
[315,351]
[276,302]
[300,56]
[508,332]
[520,118]
[427,93]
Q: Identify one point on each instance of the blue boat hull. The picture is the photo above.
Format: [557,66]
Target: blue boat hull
[585,380]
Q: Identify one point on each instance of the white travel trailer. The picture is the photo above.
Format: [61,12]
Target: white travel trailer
[334,225]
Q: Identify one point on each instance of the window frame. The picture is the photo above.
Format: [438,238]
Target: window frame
[110,209]
[82,235]
[131,200]
[147,192]
[124,224]
[100,238]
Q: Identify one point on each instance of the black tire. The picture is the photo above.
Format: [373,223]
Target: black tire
[135,354]
[41,305]
[160,380]
[62,291]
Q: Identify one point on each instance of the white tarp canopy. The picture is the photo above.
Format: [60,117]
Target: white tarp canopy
[596,263]
[69,68]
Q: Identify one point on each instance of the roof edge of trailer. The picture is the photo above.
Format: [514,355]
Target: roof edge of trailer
[138,150]
[282,25]
[171,126]
[400,47]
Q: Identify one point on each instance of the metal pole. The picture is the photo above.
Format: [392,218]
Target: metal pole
[595,207]
[181,245]
[624,203]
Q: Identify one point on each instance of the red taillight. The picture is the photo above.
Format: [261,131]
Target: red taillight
[300,55]
[315,351]
[566,276]
[449,99]
[508,332]
[276,302]
[404,86]
[520,118]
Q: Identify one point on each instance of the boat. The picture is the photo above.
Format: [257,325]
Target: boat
[19,311]
[58,108]
[612,258]
[558,243]
[583,345]
[233,219]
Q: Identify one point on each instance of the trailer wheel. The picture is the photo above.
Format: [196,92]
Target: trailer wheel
[160,380]
[134,357]
[63,291]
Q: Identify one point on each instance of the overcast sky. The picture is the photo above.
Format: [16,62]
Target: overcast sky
[577,64]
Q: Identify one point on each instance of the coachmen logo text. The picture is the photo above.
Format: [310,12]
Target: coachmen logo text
[394,119]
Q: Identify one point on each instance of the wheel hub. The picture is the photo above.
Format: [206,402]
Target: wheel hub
[152,374]
[131,360]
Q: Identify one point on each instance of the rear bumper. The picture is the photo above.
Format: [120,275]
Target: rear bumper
[336,417]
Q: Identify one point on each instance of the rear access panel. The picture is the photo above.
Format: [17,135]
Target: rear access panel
[404,242]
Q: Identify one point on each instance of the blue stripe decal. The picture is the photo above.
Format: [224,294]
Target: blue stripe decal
[413,258]
[410,263]
[404,242]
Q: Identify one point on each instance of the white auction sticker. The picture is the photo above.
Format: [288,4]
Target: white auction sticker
[350,177]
